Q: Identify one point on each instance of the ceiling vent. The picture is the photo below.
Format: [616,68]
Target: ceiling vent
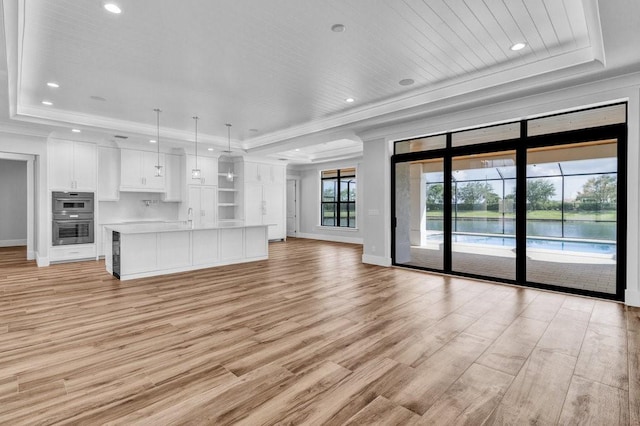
[121,137]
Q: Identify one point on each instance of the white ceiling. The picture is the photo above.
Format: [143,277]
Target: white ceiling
[277,67]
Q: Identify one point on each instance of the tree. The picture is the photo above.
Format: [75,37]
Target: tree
[473,193]
[539,192]
[435,193]
[601,190]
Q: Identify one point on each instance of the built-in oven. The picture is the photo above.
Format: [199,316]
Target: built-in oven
[72,218]
[73,229]
[72,202]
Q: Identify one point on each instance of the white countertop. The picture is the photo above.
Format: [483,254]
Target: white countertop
[153,227]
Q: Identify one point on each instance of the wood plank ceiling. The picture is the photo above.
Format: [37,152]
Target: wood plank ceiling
[268,66]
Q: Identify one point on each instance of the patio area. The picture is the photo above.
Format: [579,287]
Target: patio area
[591,272]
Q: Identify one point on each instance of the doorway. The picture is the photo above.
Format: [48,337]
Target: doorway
[292,208]
[17,202]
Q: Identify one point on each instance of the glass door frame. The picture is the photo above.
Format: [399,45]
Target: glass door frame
[520,145]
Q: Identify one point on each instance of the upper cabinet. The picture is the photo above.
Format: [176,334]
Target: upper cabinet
[137,171]
[208,170]
[72,165]
[108,174]
[263,173]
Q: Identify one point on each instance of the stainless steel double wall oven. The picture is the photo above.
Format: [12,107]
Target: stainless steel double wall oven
[72,218]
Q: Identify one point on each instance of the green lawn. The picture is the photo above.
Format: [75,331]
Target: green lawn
[535,214]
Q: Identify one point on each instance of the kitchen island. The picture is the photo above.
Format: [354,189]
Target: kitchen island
[150,249]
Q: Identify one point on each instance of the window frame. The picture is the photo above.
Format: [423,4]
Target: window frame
[338,203]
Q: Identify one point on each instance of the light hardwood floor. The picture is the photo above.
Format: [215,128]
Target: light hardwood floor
[310,336]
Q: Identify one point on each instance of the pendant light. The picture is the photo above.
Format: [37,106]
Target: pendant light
[195,173]
[158,166]
[230,172]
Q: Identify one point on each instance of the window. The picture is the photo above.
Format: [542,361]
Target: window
[338,199]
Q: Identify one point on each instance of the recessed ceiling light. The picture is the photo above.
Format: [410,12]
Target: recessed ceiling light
[47,103]
[113,8]
[338,28]
[406,82]
[53,84]
[76,130]
[152,141]
[518,46]
[209,149]
[349,100]
[297,149]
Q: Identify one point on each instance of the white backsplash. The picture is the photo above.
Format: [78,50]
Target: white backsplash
[132,206]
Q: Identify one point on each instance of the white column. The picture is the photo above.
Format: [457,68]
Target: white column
[376,176]
[632,293]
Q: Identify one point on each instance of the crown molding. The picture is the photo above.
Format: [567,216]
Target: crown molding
[580,60]
[17,129]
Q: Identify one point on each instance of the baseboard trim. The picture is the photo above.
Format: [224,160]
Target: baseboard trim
[42,261]
[31,255]
[632,298]
[376,260]
[12,243]
[334,238]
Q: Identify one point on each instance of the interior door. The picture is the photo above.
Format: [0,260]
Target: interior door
[291,208]
[273,210]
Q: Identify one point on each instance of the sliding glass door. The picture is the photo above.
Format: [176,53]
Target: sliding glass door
[572,210]
[419,212]
[483,214]
[538,202]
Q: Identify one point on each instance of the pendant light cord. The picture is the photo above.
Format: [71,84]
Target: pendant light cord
[157,110]
[196,120]
[229,136]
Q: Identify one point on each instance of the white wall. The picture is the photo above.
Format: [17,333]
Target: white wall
[377,153]
[13,203]
[309,202]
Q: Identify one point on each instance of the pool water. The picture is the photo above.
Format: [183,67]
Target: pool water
[535,243]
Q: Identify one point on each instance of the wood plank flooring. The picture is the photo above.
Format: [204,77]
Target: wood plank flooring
[310,336]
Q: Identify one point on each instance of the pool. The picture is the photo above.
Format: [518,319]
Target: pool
[534,243]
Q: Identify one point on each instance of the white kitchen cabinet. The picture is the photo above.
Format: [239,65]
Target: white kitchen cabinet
[143,251]
[264,198]
[72,165]
[174,249]
[263,173]
[138,170]
[205,246]
[72,252]
[108,174]
[208,170]
[202,202]
[173,177]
